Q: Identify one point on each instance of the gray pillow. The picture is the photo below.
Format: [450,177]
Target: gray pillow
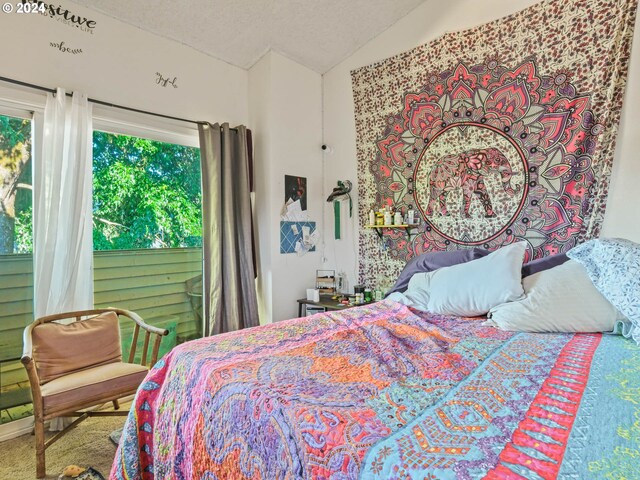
[428,262]
[542,264]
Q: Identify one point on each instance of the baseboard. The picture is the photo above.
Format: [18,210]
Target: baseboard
[16,428]
[25,425]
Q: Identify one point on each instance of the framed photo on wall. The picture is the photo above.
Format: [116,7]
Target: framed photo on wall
[295,188]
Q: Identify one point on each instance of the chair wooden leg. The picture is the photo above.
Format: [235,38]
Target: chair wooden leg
[116,405]
[41,471]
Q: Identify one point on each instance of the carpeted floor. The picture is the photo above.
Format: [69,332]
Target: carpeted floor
[88,445]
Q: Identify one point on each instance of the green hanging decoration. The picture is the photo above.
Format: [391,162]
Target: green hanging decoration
[343,189]
[336,219]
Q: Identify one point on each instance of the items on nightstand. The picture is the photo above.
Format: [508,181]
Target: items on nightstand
[326,281]
[335,301]
[358,290]
[342,283]
[313,295]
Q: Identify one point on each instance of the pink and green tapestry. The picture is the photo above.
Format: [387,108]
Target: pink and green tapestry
[501,133]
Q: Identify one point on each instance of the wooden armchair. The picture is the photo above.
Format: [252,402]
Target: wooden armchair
[74,366]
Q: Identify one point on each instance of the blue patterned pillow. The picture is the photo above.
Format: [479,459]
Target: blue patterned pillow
[613,265]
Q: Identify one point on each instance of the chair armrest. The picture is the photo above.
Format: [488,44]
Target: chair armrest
[138,320]
[29,364]
[160,332]
[27,346]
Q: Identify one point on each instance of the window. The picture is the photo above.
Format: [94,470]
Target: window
[146,194]
[147,232]
[147,237]
[16,264]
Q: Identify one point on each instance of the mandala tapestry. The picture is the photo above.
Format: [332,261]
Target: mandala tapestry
[502,133]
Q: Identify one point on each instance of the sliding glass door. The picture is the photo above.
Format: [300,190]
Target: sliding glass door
[147,232]
[147,237]
[16,264]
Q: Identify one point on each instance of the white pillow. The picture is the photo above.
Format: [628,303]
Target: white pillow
[561,299]
[471,289]
[417,293]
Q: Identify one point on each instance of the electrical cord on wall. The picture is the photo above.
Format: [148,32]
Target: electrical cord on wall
[352,225]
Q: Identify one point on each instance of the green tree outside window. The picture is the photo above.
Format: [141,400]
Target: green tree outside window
[146,193]
[15,185]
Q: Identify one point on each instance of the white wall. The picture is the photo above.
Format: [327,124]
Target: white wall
[428,21]
[261,121]
[119,64]
[286,114]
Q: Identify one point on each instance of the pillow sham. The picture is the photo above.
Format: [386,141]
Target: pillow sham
[417,293]
[429,262]
[561,299]
[470,289]
[613,265]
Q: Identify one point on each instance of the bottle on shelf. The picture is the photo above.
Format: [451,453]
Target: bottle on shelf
[372,217]
[410,215]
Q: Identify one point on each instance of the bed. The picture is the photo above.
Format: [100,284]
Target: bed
[387,392]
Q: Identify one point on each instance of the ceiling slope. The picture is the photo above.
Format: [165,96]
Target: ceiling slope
[316,33]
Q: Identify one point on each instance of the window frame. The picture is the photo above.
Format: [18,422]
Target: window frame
[145,126]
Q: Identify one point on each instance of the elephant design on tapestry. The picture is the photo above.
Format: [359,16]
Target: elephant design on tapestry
[467,171]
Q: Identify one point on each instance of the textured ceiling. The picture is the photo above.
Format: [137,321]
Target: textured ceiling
[315,33]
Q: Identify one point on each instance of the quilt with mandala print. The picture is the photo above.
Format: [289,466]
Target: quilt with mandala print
[497,134]
[384,391]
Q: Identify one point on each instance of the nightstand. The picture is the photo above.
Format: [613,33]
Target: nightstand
[325,302]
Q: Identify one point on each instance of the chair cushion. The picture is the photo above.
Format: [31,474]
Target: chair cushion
[60,349]
[91,384]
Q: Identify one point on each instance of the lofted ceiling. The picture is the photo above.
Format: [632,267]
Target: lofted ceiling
[315,33]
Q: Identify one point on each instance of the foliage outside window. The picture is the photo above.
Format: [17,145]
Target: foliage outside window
[15,185]
[16,288]
[146,194]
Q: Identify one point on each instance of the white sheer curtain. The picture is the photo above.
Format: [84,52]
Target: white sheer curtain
[63,247]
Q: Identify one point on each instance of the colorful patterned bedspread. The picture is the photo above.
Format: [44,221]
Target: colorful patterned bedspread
[385,392]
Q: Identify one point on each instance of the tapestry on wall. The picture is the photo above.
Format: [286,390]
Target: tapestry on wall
[497,134]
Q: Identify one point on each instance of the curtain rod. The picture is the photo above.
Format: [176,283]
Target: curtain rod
[106,104]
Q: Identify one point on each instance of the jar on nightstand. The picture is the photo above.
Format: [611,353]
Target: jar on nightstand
[368,295]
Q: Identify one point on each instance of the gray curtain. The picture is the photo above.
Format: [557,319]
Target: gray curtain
[230,301]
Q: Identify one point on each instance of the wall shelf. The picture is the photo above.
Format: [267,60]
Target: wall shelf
[379,229]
